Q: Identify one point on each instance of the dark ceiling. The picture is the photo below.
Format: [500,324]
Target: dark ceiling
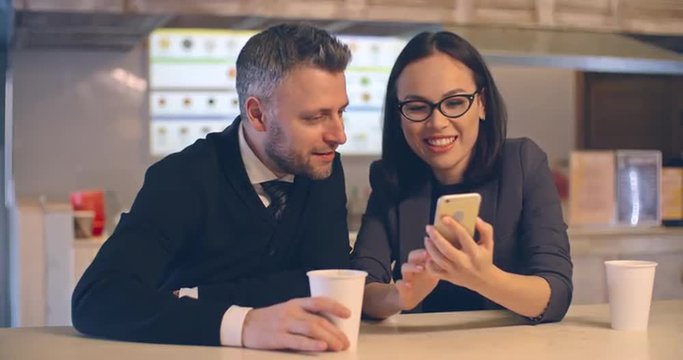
[673,43]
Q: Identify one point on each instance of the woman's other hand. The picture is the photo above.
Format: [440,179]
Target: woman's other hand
[416,282]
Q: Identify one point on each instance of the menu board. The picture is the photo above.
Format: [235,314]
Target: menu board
[192,87]
[366,82]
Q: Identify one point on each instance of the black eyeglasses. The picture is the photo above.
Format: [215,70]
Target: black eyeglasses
[451,107]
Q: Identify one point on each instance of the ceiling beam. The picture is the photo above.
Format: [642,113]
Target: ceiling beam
[647,17]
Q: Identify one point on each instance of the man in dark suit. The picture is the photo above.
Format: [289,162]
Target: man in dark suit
[234,221]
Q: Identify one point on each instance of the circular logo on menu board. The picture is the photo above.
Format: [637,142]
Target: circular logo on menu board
[232,72]
[209,45]
[164,43]
[187,44]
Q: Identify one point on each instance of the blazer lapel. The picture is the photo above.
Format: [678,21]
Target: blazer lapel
[296,201]
[489,204]
[489,201]
[234,172]
[413,215]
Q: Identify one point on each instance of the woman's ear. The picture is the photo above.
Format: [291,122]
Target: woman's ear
[481,105]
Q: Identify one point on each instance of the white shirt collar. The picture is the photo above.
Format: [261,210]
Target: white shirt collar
[256,170]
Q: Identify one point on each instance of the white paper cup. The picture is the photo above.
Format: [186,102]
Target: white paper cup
[345,287]
[629,285]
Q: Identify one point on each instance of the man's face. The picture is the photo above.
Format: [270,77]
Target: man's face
[304,122]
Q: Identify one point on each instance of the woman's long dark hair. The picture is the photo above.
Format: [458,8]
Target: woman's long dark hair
[403,168]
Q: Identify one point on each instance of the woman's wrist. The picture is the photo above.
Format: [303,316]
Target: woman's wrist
[526,295]
[489,281]
[393,299]
[381,300]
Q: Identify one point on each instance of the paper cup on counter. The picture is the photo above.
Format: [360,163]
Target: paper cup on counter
[345,287]
[629,285]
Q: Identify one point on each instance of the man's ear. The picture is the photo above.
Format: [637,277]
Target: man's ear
[255,113]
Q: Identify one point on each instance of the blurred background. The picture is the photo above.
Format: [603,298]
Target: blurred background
[95,91]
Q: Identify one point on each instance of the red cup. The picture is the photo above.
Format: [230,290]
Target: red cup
[91,200]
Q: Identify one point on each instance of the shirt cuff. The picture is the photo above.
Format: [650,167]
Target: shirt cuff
[189,292]
[231,325]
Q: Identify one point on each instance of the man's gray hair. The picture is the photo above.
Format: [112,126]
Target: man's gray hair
[271,54]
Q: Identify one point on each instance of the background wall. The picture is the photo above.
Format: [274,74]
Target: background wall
[81,121]
[541,106]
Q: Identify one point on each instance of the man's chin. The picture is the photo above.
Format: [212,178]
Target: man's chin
[319,173]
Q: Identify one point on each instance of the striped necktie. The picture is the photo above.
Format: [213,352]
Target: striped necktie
[277,191]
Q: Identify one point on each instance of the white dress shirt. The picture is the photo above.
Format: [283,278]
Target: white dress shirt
[233,318]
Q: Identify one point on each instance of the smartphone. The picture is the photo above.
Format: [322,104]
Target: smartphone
[464,208]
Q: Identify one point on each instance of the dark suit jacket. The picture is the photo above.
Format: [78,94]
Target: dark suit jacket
[521,203]
[197,221]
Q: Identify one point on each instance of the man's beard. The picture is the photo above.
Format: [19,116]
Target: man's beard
[286,159]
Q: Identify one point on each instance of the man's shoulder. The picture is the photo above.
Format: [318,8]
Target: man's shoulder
[190,157]
[193,159]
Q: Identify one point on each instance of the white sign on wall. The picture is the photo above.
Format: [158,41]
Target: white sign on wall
[192,86]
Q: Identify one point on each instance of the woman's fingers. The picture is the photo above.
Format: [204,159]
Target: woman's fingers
[438,257]
[466,241]
[418,257]
[485,234]
[408,268]
[445,248]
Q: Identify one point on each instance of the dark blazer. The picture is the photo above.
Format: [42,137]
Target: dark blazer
[197,222]
[521,203]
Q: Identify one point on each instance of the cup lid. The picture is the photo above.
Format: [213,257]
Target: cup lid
[337,273]
[630,263]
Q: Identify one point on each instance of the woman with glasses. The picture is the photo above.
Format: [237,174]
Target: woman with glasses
[444,133]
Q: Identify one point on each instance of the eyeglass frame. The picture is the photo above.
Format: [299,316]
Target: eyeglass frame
[469,97]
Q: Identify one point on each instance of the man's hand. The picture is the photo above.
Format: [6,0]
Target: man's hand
[297,325]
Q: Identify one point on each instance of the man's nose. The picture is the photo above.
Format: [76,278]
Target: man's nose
[335,131]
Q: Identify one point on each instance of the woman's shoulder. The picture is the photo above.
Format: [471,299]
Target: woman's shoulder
[521,157]
[523,149]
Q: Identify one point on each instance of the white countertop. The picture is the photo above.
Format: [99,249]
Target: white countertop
[584,334]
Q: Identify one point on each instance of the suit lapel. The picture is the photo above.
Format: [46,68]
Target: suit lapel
[413,215]
[488,211]
[489,201]
[234,172]
[296,201]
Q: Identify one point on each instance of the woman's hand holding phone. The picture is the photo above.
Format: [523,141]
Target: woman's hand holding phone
[450,251]
[469,265]
[464,208]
